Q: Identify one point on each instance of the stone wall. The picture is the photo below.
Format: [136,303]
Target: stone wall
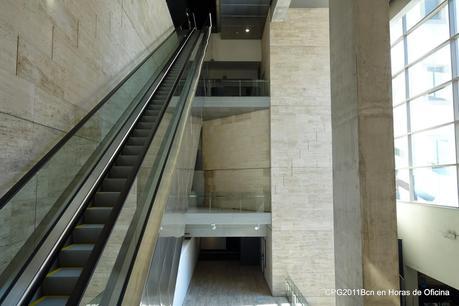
[301,241]
[236,156]
[57,60]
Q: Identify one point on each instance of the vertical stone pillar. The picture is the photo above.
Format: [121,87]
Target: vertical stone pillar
[365,225]
[301,238]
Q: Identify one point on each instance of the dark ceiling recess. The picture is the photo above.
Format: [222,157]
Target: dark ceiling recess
[242,19]
[200,8]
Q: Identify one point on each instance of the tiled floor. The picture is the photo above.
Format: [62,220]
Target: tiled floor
[226,283]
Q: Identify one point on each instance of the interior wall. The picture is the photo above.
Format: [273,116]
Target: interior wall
[236,155]
[428,245]
[57,60]
[188,259]
[301,147]
[235,50]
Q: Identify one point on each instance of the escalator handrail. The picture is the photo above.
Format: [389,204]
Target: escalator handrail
[33,278]
[38,165]
[171,154]
[103,237]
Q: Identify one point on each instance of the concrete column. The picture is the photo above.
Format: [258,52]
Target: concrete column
[365,225]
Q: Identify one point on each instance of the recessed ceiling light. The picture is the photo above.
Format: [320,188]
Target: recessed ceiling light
[247,30]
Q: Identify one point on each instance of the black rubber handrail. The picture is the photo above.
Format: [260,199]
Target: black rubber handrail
[181,43]
[99,246]
[35,168]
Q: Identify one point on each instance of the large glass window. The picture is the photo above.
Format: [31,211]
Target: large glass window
[432,32]
[435,185]
[434,147]
[430,72]
[400,123]
[432,110]
[398,88]
[421,9]
[402,179]
[396,30]
[423,93]
[398,57]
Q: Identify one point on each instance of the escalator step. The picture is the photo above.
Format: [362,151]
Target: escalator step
[158,103]
[148,119]
[138,141]
[87,233]
[61,281]
[75,255]
[119,172]
[154,107]
[141,132]
[50,301]
[106,198]
[114,184]
[127,160]
[132,150]
[97,215]
[152,113]
[142,125]
[163,93]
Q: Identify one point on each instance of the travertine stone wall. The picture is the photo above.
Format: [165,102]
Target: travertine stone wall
[236,155]
[57,60]
[301,167]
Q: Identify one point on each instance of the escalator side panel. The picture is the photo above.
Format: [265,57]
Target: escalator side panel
[72,267]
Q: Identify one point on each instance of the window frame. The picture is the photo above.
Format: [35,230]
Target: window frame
[453,42]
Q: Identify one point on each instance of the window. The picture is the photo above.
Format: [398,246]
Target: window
[397,58]
[423,94]
[421,9]
[432,110]
[398,89]
[432,32]
[430,72]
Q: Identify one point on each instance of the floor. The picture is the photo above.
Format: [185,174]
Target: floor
[227,283]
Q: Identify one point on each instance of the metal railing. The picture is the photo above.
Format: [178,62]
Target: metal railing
[233,88]
[49,199]
[233,201]
[294,294]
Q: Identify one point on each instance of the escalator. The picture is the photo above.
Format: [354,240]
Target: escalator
[56,262]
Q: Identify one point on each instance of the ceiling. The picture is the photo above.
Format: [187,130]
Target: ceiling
[236,16]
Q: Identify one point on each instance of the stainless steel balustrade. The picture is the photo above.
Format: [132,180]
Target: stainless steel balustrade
[294,294]
[141,249]
[40,200]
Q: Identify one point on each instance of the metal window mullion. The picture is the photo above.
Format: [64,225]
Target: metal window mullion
[424,56]
[454,69]
[408,119]
[419,22]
